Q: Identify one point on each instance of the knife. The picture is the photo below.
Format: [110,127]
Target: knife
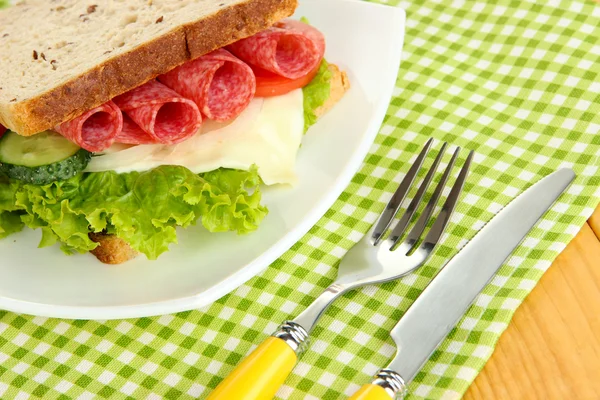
[446,299]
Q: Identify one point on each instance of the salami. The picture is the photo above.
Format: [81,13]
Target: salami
[2,130]
[95,130]
[156,114]
[133,134]
[219,83]
[291,49]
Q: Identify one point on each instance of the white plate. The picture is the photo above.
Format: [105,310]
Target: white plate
[364,39]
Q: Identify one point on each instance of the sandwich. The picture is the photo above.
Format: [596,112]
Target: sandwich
[121,122]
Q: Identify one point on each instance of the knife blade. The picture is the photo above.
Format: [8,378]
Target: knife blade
[446,299]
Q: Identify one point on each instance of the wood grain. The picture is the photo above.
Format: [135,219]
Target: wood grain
[594,222]
[551,349]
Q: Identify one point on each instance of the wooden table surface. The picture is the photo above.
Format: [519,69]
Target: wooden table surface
[551,349]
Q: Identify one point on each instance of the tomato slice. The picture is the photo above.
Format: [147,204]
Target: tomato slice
[269,84]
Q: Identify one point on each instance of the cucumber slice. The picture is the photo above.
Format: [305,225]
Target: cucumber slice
[41,159]
[33,151]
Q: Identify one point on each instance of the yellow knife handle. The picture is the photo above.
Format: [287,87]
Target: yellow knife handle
[371,392]
[260,375]
[386,385]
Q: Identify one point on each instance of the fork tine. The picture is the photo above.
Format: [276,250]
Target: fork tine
[386,218]
[419,228]
[442,220]
[400,228]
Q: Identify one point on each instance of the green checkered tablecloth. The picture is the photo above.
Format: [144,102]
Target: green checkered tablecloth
[516,81]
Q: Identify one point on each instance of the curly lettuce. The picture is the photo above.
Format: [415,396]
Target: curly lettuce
[10,216]
[316,94]
[144,209]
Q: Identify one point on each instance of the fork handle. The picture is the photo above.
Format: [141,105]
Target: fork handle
[260,375]
[263,372]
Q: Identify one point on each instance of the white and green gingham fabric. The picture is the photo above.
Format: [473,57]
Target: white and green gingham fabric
[516,81]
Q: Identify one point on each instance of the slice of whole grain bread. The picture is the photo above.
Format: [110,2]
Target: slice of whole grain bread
[61,58]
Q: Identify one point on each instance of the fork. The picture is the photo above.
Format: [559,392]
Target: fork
[375,259]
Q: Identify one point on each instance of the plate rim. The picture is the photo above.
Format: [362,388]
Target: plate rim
[260,263]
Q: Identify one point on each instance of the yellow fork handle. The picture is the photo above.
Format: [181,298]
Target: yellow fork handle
[260,375]
[371,392]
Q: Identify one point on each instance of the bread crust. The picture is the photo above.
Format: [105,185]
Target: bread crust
[338,85]
[111,249]
[130,70]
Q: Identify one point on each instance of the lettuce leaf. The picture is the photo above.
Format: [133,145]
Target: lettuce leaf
[10,217]
[316,94]
[143,209]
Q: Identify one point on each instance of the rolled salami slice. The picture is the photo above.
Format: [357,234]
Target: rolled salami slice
[290,48]
[156,114]
[133,134]
[95,130]
[219,83]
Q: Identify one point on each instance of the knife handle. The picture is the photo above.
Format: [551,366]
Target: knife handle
[386,385]
[371,391]
[263,372]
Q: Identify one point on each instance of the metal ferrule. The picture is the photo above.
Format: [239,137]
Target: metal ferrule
[392,382]
[294,335]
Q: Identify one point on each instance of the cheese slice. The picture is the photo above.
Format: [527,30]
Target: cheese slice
[267,134]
